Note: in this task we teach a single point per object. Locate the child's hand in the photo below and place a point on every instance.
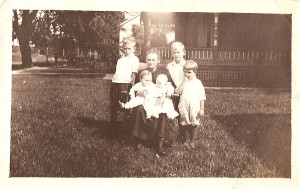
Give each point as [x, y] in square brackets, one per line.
[160, 101]
[202, 113]
[185, 79]
[146, 93]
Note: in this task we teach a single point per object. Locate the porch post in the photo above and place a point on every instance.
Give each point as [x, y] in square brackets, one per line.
[215, 37]
[147, 28]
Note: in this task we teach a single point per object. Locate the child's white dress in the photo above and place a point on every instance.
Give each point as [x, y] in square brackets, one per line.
[189, 105]
[167, 106]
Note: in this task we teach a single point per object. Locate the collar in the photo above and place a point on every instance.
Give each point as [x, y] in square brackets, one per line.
[181, 63]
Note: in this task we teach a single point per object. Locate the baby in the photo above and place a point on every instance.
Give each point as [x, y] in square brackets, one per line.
[146, 87]
[163, 102]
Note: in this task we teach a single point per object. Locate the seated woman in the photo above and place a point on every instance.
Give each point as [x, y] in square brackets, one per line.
[154, 129]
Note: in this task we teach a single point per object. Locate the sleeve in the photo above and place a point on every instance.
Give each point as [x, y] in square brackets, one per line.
[201, 91]
[133, 89]
[135, 65]
[170, 89]
[116, 72]
[168, 66]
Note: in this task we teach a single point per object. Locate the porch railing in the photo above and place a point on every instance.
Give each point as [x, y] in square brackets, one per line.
[266, 58]
[228, 56]
[248, 68]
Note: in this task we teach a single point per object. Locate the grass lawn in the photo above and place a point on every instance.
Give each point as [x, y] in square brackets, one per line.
[60, 128]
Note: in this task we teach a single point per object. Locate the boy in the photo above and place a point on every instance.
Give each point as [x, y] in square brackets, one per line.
[124, 77]
[191, 104]
[175, 67]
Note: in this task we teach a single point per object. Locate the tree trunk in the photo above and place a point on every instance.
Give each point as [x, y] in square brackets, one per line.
[23, 34]
[25, 52]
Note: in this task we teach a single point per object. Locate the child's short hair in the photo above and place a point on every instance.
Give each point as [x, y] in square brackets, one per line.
[177, 44]
[191, 65]
[129, 40]
[162, 77]
[153, 51]
[145, 73]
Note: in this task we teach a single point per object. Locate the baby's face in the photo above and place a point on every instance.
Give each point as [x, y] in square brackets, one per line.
[146, 80]
[160, 83]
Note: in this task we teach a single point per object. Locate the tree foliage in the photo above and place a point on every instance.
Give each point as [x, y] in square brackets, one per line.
[87, 30]
[138, 34]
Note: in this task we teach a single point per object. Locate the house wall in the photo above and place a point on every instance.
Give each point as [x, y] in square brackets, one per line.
[252, 50]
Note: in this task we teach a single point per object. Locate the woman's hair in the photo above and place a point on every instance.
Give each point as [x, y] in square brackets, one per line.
[162, 77]
[145, 73]
[153, 51]
[177, 44]
[191, 65]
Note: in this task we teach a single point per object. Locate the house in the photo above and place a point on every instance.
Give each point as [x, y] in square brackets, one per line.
[231, 49]
[126, 26]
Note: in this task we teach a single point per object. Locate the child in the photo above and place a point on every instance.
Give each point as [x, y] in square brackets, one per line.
[124, 77]
[163, 93]
[191, 104]
[146, 87]
[175, 67]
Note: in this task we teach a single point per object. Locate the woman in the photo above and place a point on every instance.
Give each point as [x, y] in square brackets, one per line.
[155, 129]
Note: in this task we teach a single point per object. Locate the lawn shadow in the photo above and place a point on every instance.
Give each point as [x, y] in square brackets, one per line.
[74, 75]
[104, 129]
[36, 64]
[268, 136]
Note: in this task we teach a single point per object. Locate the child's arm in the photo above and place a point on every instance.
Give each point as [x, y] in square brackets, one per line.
[202, 108]
[132, 91]
[133, 77]
[170, 90]
[179, 89]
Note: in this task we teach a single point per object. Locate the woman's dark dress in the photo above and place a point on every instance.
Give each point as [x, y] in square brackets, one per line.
[163, 127]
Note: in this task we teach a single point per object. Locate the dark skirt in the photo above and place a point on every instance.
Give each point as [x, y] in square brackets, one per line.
[146, 129]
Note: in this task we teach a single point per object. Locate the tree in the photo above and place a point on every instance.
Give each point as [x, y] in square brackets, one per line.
[105, 24]
[95, 30]
[138, 34]
[22, 29]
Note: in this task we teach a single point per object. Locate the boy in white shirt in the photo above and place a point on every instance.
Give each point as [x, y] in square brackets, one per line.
[124, 77]
[175, 67]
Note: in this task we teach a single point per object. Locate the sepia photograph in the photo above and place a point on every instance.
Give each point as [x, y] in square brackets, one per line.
[150, 94]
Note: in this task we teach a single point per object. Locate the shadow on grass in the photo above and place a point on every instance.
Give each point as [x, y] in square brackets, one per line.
[268, 136]
[104, 129]
[37, 64]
